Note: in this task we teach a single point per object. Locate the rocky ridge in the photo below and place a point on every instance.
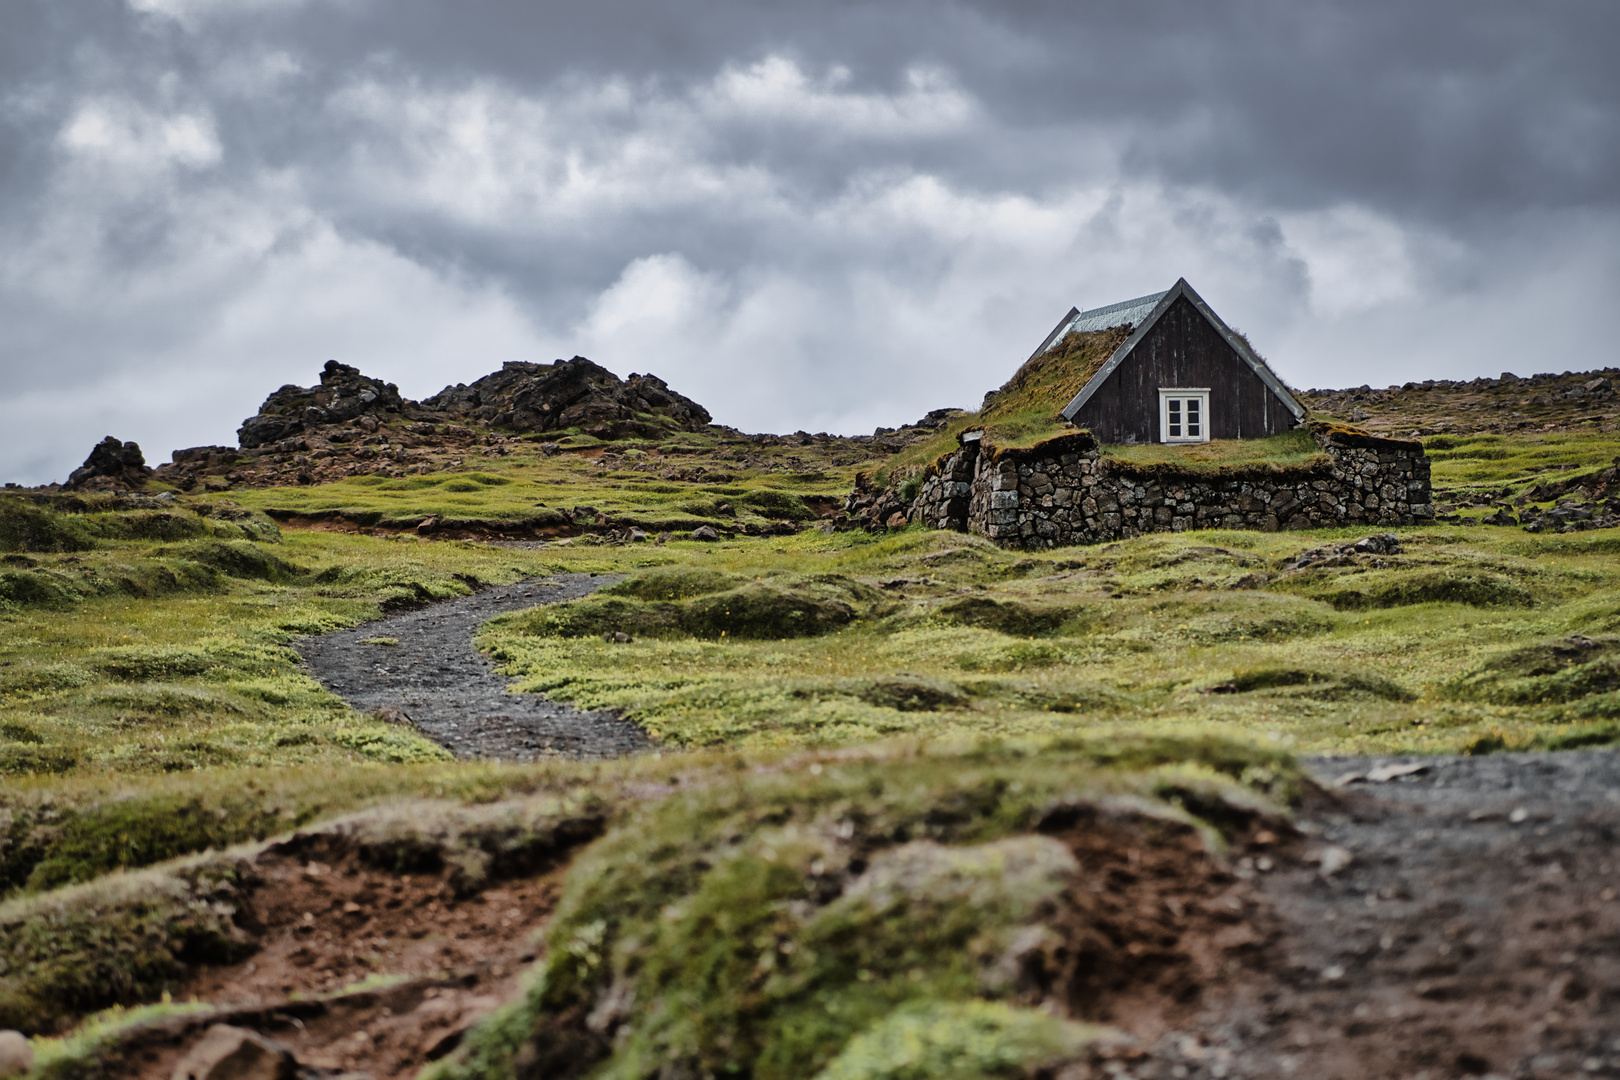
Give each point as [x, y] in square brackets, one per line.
[351, 424]
[1572, 401]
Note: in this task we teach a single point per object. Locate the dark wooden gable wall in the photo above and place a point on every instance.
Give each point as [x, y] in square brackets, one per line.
[1183, 350]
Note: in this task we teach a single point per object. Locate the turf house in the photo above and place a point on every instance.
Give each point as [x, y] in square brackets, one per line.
[1160, 394]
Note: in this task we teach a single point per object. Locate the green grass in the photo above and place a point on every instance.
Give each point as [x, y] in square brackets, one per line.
[1486, 464]
[1153, 634]
[1297, 447]
[135, 656]
[674, 485]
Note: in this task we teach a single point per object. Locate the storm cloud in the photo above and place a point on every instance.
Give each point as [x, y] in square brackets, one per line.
[824, 216]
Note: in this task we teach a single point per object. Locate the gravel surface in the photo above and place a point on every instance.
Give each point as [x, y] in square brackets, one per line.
[1458, 920]
[441, 684]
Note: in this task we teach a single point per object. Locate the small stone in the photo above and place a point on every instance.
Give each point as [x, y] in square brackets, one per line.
[232, 1053]
[637, 536]
[1385, 773]
[1518, 815]
[16, 1053]
[1334, 859]
[705, 532]
[550, 448]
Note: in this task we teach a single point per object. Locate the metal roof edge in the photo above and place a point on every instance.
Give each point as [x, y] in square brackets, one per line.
[1056, 330]
[1119, 354]
[1241, 347]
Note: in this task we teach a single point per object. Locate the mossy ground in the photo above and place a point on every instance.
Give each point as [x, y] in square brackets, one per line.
[949, 636]
[150, 707]
[677, 483]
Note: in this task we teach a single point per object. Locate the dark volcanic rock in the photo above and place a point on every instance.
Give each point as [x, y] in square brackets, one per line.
[343, 395]
[571, 393]
[111, 465]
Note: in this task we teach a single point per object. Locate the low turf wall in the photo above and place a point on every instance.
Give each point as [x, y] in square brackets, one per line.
[1066, 491]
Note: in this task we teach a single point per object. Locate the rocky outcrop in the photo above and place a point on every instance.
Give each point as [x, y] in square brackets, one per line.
[111, 466]
[343, 396]
[571, 393]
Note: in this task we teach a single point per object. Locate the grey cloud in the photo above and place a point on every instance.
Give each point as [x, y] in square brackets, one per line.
[817, 215]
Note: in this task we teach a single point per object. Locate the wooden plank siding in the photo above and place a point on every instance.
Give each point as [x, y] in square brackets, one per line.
[1183, 350]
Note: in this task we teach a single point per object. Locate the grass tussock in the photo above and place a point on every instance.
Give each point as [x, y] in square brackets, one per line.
[791, 608]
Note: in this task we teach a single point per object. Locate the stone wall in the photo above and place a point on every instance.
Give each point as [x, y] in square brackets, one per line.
[1064, 491]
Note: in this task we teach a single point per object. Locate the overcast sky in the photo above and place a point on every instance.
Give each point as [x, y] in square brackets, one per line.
[825, 216]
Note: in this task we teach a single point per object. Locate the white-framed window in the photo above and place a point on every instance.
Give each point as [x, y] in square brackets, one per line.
[1184, 414]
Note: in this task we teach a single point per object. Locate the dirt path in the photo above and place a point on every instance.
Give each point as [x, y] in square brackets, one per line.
[1473, 931]
[452, 693]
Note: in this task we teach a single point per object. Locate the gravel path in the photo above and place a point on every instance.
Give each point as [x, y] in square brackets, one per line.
[452, 693]
[1473, 929]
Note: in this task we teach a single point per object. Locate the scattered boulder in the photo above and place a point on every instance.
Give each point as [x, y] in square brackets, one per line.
[232, 1053]
[111, 466]
[1344, 554]
[571, 393]
[705, 532]
[344, 396]
[16, 1053]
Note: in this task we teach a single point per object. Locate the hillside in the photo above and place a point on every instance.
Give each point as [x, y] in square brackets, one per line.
[907, 793]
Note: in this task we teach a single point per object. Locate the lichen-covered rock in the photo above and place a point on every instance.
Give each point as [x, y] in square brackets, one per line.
[572, 393]
[343, 396]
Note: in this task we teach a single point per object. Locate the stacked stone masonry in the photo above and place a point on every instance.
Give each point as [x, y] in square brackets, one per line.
[1065, 491]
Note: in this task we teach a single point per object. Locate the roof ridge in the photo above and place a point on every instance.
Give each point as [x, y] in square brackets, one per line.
[1239, 345]
[1148, 298]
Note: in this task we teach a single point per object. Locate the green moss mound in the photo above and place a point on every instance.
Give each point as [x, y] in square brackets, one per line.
[44, 678]
[1314, 683]
[958, 1041]
[1388, 589]
[1006, 616]
[25, 526]
[675, 583]
[1564, 670]
[140, 832]
[794, 921]
[26, 760]
[108, 942]
[777, 504]
[147, 663]
[238, 559]
[759, 610]
[391, 587]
